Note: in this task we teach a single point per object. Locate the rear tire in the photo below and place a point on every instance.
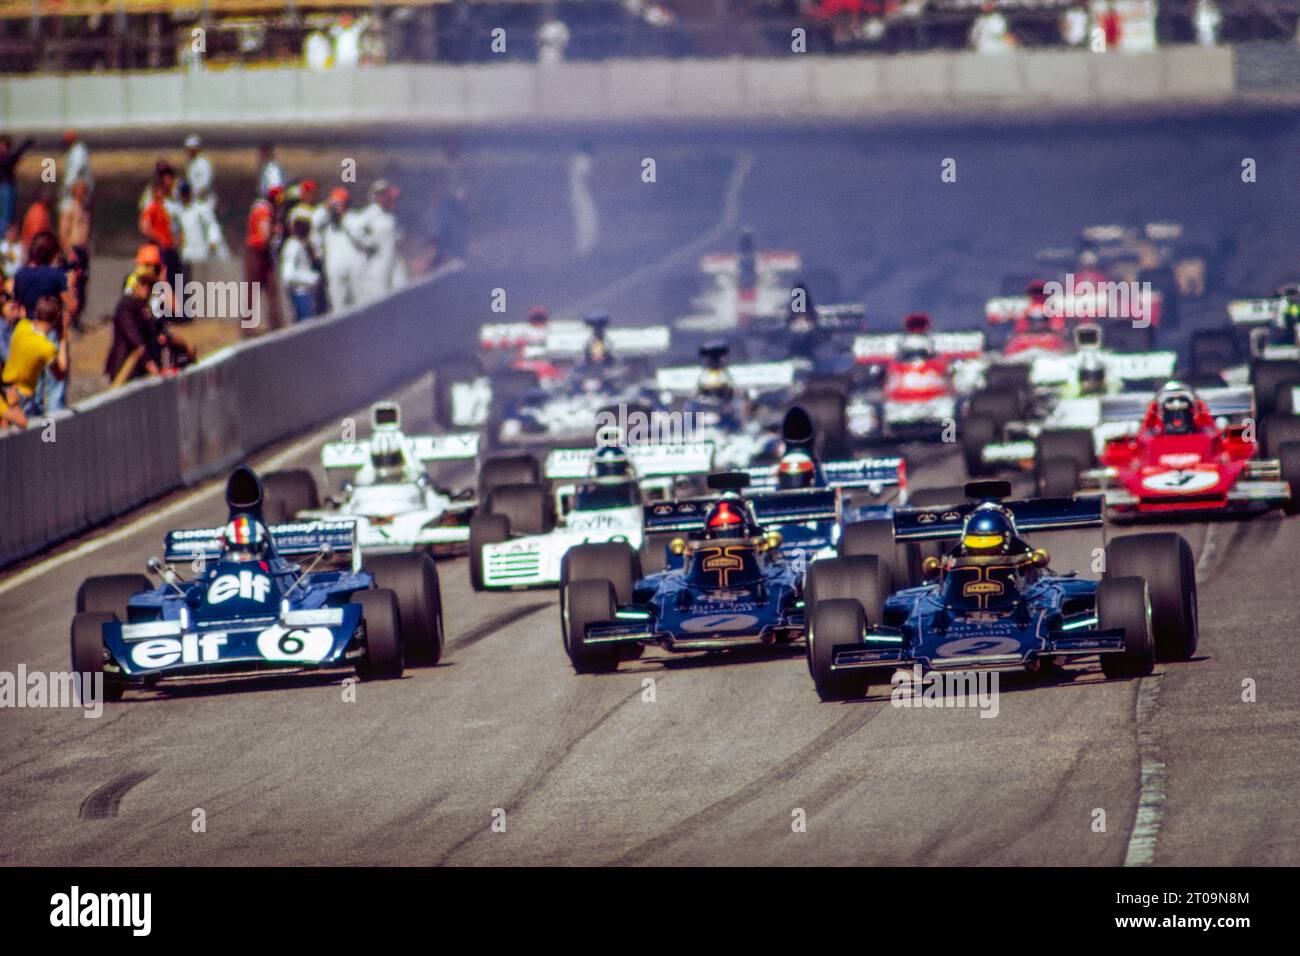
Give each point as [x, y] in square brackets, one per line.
[285, 493]
[1002, 407]
[1123, 602]
[1165, 562]
[1266, 375]
[1076, 444]
[507, 470]
[826, 407]
[1289, 459]
[484, 529]
[831, 623]
[1058, 478]
[977, 433]
[414, 579]
[88, 649]
[1279, 430]
[384, 658]
[528, 508]
[110, 592]
[583, 603]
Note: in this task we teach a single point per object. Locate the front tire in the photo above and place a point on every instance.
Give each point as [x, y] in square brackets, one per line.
[414, 579]
[484, 529]
[109, 593]
[1165, 562]
[832, 623]
[1124, 602]
[88, 649]
[286, 493]
[385, 659]
[583, 603]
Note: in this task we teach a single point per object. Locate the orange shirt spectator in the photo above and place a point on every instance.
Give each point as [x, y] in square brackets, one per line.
[260, 219]
[156, 222]
[37, 219]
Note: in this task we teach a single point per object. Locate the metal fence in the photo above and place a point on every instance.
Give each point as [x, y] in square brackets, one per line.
[119, 450]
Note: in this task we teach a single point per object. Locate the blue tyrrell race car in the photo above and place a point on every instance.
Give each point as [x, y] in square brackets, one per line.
[990, 601]
[249, 608]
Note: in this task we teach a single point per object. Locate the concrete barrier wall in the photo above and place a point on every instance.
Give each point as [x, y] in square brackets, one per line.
[128, 446]
[798, 85]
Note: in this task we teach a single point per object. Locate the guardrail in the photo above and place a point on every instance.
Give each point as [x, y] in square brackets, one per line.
[129, 446]
[797, 85]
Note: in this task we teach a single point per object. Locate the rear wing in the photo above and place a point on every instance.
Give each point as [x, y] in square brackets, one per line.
[1005, 308]
[1050, 370]
[1031, 514]
[355, 454]
[1232, 402]
[1256, 311]
[749, 376]
[648, 461]
[565, 340]
[771, 509]
[872, 473]
[514, 335]
[953, 346]
[780, 260]
[295, 539]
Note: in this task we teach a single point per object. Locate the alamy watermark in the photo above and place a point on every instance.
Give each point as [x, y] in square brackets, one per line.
[636, 426]
[38, 689]
[1099, 300]
[917, 690]
[210, 300]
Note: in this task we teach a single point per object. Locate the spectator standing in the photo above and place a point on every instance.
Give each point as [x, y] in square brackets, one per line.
[74, 237]
[76, 164]
[271, 175]
[297, 266]
[586, 219]
[200, 234]
[41, 277]
[377, 225]
[33, 349]
[134, 351]
[259, 260]
[343, 258]
[348, 33]
[1074, 26]
[1208, 20]
[989, 32]
[38, 218]
[317, 52]
[552, 39]
[13, 252]
[9, 158]
[158, 223]
[10, 313]
[198, 173]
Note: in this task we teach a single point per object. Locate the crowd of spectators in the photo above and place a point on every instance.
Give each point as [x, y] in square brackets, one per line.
[321, 37]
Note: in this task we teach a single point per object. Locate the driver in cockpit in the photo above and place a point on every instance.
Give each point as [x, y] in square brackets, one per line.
[245, 539]
[386, 458]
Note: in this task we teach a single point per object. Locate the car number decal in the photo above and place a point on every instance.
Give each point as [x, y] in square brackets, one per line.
[1182, 481]
[279, 643]
[977, 646]
[712, 623]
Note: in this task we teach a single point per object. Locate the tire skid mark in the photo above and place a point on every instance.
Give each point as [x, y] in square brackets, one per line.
[787, 770]
[561, 747]
[496, 623]
[107, 800]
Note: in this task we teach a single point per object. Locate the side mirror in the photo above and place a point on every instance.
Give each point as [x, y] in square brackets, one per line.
[154, 565]
[931, 567]
[677, 546]
[1040, 558]
[327, 551]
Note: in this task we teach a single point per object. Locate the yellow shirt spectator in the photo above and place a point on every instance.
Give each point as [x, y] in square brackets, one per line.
[29, 353]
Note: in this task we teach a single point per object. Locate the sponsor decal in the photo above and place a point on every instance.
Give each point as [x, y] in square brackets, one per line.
[928, 517]
[188, 649]
[245, 584]
[723, 561]
[976, 588]
[281, 643]
[1182, 482]
[717, 623]
[977, 647]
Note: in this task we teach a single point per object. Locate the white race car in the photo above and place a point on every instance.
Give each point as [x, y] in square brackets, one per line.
[394, 503]
[722, 305]
[522, 532]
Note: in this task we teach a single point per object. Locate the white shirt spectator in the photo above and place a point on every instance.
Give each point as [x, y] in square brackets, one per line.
[316, 50]
[76, 165]
[199, 175]
[347, 42]
[377, 236]
[272, 175]
[1074, 26]
[988, 34]
[1208, 19]
[13, 256]
[552, 41]
[200, 233]
[296, 272]
[343, 258]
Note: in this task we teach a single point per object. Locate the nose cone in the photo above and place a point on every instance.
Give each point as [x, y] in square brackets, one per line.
[244, 492]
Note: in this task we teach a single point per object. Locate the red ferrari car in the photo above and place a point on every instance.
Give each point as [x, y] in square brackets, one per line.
[1190, 453]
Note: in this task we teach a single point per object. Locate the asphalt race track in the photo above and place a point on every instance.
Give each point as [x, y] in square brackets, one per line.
[715, 768]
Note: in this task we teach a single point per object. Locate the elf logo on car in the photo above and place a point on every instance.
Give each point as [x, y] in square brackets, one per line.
[245, 584]
[189, 649]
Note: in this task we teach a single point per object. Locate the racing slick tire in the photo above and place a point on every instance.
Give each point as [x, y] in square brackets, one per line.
[615, 561]
[1288, 456]
[1278, 430]
[1058, 478]
[1011, 379]
[1213, 350]
[110, 592]
[1002, 407]
[285, 493]
[1164, 560]
[1075, 444]
[484, 529]
[653, 552]
[507, 470]
[875, 538]
[414, 579]
[838, 621]
[385, 651]
[826, 407]
[88, 648]
[864, 579]
[977, 433]
[583, 603]
[1124, 602]
[528, 507]
[1266, 375]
